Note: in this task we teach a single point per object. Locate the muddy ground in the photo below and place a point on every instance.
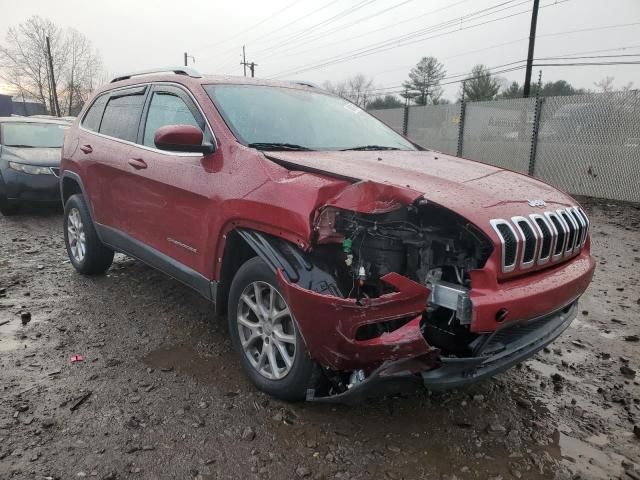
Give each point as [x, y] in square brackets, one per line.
[160, 394]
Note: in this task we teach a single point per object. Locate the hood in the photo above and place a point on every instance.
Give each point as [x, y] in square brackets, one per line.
[477, 191]
[44, 157]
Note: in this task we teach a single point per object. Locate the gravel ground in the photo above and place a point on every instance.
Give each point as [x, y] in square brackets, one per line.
[160, 394]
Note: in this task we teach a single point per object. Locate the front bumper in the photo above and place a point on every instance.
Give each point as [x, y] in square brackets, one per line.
[22, 186]
[495, 353]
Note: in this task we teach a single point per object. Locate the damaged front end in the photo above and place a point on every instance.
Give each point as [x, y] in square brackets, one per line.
[384, 300]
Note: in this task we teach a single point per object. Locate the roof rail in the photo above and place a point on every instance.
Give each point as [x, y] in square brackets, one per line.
[191, 72]
[304, 83]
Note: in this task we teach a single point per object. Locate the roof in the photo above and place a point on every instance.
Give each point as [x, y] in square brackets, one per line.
[55, 121]
[188, 75]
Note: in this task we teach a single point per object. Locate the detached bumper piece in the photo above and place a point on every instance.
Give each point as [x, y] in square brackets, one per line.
[494, 353]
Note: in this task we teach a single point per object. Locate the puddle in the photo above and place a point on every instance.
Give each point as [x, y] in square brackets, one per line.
[586, 459]
[220, 371]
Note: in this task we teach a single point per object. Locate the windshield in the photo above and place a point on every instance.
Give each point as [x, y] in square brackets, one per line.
[287, 118]
[44, 135]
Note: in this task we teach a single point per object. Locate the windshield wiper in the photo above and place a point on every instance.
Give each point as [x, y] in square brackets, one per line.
[20, 146]
[279, 146]
[370, 147]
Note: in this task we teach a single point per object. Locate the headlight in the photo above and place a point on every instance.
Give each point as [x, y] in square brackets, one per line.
[30, 169]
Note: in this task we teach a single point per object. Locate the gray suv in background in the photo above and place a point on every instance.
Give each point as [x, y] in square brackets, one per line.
[29, 161]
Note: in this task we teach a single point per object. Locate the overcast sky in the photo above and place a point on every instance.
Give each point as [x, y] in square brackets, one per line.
[285, 37]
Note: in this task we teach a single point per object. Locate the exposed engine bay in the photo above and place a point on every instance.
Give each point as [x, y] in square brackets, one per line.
[423, 242]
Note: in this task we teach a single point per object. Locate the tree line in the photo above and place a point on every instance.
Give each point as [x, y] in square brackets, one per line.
[424, 87]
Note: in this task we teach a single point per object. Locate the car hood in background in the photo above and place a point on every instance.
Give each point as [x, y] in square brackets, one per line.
[45, 157]
[475, 190]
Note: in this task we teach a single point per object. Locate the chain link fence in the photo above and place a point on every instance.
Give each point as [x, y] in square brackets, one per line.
[394, 117]
[583, 144]
[436, 125]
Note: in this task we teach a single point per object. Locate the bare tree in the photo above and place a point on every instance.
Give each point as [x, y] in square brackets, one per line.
[628, 87]
[338, 88]
[359, 89]
[81, 70]
[24, 64]
[606, 84]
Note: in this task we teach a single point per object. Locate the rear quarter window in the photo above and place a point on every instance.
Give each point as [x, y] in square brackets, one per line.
[122, 116]
[93, 116]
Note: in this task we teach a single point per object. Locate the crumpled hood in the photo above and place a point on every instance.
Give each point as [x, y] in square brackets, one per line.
[477, 191]
[44, 157]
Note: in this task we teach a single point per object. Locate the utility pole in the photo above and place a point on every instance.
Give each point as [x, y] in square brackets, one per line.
[532, 43]
[54, 93]
[252, 65]
[244, 60]
[187, 57]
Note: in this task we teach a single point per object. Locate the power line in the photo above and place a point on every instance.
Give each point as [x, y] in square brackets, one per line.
[591, 29]
[446, 24]
[225, 61]
[304, 31]
[399, 40]
[261, 22]
[340, 27]
[396, 43]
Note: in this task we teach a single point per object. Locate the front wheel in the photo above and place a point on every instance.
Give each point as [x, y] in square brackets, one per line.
[265, 334]
[86, 252]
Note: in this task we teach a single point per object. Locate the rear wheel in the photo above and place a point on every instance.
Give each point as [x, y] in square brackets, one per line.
[86, 252]
[265, 334]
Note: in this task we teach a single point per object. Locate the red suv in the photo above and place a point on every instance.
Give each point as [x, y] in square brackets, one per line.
[349, 260]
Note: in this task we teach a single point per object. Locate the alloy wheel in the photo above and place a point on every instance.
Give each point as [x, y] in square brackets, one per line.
[76, 235]
[267, 331]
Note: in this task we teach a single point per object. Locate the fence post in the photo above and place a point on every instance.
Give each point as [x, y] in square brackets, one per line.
[463, 110]
[405, 120]
[534, 135]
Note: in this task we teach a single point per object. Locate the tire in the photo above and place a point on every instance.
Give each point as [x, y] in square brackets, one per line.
[7, 207]
[95, 257]
[291, 382]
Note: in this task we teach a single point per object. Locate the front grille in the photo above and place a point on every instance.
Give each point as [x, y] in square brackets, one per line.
[541, 238]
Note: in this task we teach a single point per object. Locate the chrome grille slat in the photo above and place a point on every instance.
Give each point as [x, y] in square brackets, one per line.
[541, 238]
[529, 241]
[506, 235]
[546, 235]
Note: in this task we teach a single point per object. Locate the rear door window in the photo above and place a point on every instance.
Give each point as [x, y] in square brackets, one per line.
[121, 116]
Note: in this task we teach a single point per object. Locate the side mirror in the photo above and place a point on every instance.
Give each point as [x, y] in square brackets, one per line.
[181, 138]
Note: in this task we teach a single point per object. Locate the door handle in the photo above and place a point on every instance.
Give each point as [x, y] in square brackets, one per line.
[86, 148]
[137, 163]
